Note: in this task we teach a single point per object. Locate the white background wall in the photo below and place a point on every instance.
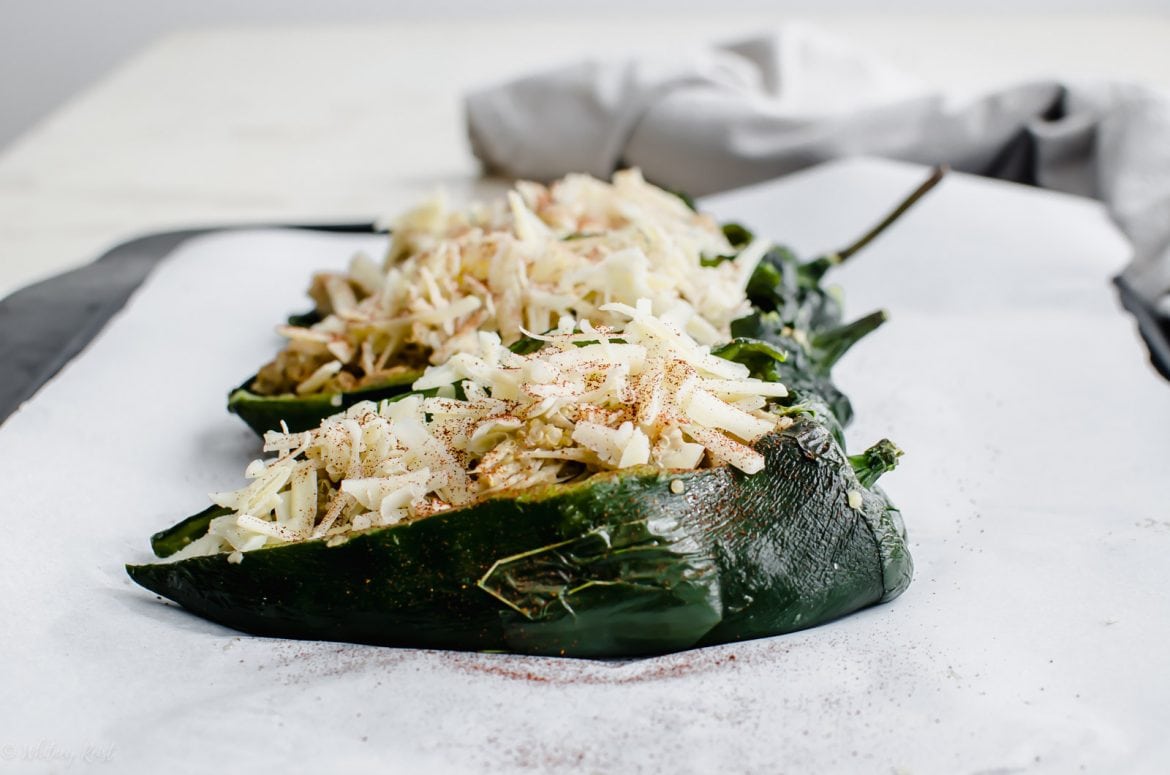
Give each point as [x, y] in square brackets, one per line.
[51, 49]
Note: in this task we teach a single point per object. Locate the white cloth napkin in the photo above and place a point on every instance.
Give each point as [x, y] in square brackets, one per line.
[724, 117]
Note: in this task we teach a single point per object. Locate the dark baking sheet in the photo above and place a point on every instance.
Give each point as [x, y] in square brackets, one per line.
[46, 324]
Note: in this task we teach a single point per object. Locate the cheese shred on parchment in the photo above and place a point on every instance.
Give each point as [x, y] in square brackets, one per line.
[593, 398]
[523, 263]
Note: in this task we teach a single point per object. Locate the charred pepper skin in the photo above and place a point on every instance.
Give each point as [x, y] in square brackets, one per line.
[619, 565]
[302, 413]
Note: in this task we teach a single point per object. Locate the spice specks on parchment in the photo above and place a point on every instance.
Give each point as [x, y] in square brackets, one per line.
[304, 662]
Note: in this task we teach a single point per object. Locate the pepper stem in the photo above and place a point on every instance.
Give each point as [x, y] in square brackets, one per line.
[875, 461]
[818, 266]
[835, 342]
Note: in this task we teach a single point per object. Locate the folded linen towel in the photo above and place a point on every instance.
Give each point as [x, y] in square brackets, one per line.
[728, 116]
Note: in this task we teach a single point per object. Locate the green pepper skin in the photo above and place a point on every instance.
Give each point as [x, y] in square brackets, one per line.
[166, 542]
[305, 319]
[782, 284]
[801, 360]
[618, 565]
[302, 413]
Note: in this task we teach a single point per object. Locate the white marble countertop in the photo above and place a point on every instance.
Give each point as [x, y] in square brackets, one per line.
[324, 124]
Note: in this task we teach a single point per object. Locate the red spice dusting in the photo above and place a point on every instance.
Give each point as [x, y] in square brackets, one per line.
[298, 663]
[561, 671]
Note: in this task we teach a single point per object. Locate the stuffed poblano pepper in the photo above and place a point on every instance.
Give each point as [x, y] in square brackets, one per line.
[621, 490]
[519, 266]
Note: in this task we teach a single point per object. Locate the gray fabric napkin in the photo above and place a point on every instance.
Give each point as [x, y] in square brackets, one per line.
[728, 116]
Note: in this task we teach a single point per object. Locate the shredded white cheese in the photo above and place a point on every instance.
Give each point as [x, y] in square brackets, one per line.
[592, 399]
[541, 254]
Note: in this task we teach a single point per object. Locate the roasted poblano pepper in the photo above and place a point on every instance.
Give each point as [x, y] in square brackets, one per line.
[790, 290]
[622, 564]
[634, 562]
[629, 563]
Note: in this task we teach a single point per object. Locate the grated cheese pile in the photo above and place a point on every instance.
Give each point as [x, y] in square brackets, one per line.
[592, 399]
[541, 254]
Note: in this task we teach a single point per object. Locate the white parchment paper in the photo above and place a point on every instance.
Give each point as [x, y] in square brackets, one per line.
[1034, 486]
